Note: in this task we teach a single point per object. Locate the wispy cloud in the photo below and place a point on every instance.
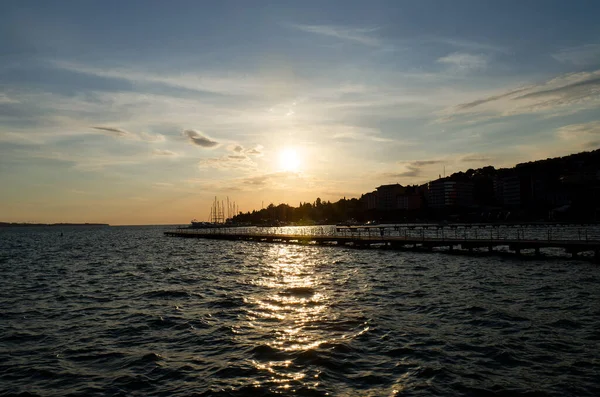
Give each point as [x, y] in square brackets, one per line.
[120, 132]
[584, 135]
[471, 105]
[578, 131]
[206, 82]
[460, 61]
[20, 138]
[270, 179]
[475, 158]
[144, 136]
[163, 152]
[345, 132]
[82, 192]
[200, 140]
[112, 131]
[465, 45]
[281, 181]
[84, 162]
[413, 169]
[319, 102]
[228, 162]
[253, 151]
[583, 87]
[5, 99]
[579, 90]
[583, 55]
[162, 184]
[358, 35]
[359, 136]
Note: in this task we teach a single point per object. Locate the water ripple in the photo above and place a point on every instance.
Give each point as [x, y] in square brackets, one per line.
[125, 311]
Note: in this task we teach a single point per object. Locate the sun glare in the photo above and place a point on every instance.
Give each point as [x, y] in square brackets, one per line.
[289, 160]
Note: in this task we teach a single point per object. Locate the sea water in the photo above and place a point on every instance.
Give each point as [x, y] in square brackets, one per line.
[119, 311]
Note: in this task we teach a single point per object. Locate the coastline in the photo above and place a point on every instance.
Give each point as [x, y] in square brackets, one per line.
[16, 224]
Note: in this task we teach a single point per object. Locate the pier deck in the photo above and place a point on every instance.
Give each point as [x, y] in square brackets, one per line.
[347, 237]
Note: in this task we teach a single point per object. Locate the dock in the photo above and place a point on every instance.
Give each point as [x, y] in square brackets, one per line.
[466, 239]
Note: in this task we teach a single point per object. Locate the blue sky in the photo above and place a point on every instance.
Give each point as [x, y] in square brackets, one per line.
[143, 111]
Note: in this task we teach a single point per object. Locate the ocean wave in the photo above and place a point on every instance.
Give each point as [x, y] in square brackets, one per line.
[103, 316]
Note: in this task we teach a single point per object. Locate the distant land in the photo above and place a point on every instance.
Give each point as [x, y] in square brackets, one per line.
[23, 224]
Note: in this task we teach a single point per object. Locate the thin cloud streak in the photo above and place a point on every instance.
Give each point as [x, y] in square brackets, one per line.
[228, 162]
[460, 61]
[152, 137]
[413, 169]
[204, 83]
[575, 131]
[272, 179]
[5, 99]
[466, 44]
[470, 105]
[112, 131]
[576, 90]
[355, 136]
[475, 158]
[254, 151]
[580, 88]
[163, 152]
[358, 35]
[200, 140]
[120, 132]
[583, 55]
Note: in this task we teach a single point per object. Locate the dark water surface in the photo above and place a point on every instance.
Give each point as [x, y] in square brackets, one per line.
[126, 311]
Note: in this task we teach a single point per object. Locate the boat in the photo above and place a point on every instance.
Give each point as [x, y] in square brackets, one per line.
[217, 217]
[194, 224]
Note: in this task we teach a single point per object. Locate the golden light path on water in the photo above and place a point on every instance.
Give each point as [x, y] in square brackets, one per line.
[292, 305]
[289, 309]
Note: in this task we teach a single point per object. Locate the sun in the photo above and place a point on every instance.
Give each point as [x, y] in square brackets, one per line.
[289, 160]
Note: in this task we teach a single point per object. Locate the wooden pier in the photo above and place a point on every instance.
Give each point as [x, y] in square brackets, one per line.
[407, 238]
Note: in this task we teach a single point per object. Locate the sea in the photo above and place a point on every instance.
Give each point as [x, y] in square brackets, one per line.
[127, 311]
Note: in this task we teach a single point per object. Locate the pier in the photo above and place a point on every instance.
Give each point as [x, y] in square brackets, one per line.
[464, 238]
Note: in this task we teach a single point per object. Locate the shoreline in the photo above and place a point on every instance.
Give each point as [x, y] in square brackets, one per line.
[15, 224]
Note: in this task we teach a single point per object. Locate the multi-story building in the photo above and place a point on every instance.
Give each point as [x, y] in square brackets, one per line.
[370, 200]
[523, 191]
[387, 196]
[411, 201]
[447, 193]
[464, 194]
[511, 191]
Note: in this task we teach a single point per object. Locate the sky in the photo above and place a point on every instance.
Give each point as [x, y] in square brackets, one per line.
[141, 112]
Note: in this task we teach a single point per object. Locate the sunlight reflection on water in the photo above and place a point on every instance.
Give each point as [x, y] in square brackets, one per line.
[288, 308]
[126, 311]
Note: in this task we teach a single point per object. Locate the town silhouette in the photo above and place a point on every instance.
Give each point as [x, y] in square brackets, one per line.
[562, 189]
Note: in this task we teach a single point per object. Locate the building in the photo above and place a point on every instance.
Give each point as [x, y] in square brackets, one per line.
[523, 191]
[387, 196]
[369, 200]
[444, 193]
[410, 201]
[464, 194]
[511, 191]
